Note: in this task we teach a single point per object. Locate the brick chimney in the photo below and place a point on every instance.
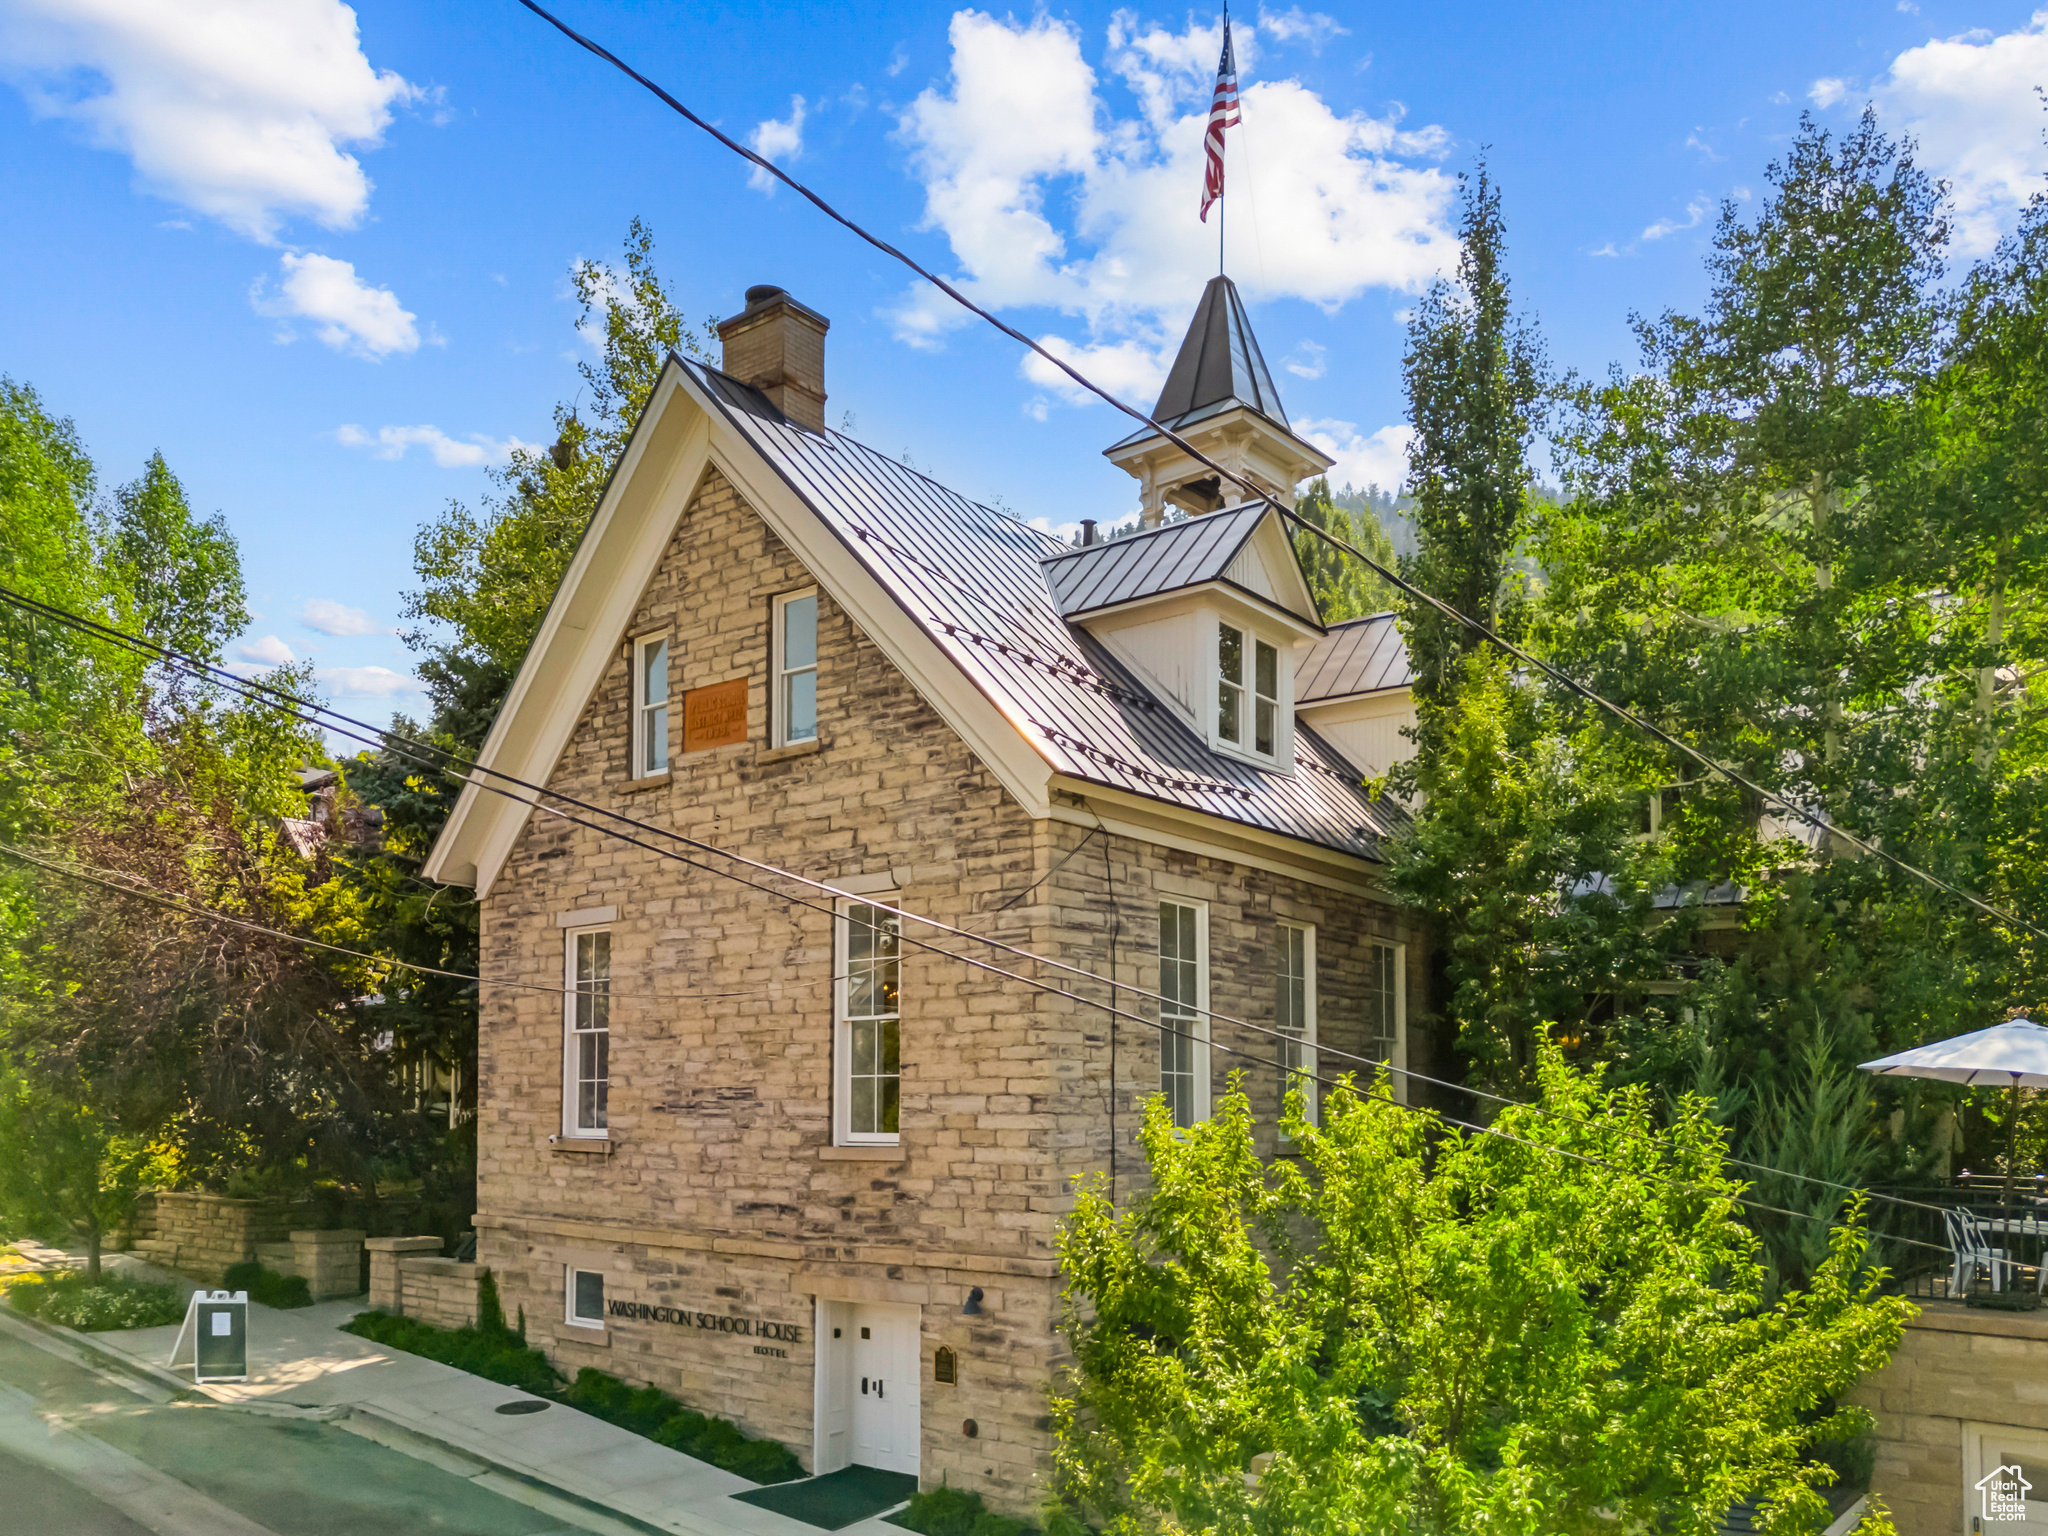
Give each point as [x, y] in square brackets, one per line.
[778, 346]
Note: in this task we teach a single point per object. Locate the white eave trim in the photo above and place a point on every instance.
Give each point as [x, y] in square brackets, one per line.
[594, 605]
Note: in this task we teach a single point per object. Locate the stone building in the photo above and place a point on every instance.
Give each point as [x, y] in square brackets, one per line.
[771, 1142]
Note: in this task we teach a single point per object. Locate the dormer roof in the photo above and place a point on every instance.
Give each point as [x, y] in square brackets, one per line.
[1221, 548]
[1358, 656]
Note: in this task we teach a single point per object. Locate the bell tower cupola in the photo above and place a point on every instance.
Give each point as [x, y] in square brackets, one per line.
[1219, 397]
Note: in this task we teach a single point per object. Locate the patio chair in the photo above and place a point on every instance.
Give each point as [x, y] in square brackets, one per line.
[1972, 1252]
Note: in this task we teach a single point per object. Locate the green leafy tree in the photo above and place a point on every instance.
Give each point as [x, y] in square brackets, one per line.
[489, 577]
[183, 576]
[1343, 588]
[64, 1168]
[1400, 1332]
[1475, 377]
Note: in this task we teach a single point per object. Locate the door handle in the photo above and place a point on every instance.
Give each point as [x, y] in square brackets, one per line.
[863, 1386]
[878, 1386]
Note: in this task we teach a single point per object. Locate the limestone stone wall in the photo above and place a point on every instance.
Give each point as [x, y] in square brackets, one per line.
[438, 1291]
[719, 1189]
[1956, 1367]
[387, 1287]
[201, 1235]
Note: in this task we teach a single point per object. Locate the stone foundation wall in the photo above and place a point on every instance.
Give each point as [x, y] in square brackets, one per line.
[1956, 1368]
[438, 1291]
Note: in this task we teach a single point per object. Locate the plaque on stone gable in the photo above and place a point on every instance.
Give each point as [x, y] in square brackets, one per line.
[715, 716]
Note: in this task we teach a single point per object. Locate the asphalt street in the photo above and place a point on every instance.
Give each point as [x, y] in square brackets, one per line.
[87, 1456]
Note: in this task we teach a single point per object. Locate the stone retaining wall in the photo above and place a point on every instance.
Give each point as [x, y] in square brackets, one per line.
[1956, 1375]
[408, 1277]
[201, 1235]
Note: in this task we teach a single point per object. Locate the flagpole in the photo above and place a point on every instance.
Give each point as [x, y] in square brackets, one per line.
[1220, 210]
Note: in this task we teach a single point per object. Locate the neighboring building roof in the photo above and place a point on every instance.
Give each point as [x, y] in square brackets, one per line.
[1357, 656]
[1219, 363]
[1169, 558]
[974, 580]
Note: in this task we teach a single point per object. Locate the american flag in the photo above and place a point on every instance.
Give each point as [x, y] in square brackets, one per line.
[1222, 115]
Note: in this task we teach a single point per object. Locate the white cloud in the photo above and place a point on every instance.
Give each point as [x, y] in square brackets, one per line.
[1380, 459]
[448, 452]
[1695, 211]
[324, 616]
[778, 139]
[1826, 92]
[266, 652]
[1780, 99]
[1296, 25]
[1049, 199]
[236, 109]
[1308, 361]
[348, 314]
[1606, 250]
[1970, 104]
[366, 682]
[1132, 370]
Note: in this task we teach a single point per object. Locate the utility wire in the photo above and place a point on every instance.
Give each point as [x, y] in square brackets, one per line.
[1257, 493]
[1164, 1028]
[126, 887]
[311, 714]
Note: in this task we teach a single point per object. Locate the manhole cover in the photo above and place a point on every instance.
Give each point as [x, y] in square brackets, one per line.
[529, 1406]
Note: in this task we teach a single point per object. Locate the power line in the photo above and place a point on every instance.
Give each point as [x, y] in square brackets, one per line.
[310, 713]
[160, 899]
[126, 887]
[1259, 494]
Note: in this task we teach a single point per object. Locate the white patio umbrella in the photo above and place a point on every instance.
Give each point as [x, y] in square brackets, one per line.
[2012, 1055]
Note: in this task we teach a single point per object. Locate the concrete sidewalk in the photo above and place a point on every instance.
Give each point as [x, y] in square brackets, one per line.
[301, 1361]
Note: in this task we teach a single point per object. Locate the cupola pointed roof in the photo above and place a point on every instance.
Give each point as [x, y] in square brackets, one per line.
[1220, 364]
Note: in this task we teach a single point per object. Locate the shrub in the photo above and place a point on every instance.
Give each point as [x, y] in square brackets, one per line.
[495, 1357]
[115, 1302]
[267, 1285]
[499, 1354]
[948, 1511]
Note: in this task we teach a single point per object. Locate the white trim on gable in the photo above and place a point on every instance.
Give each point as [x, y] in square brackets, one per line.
[679, 437]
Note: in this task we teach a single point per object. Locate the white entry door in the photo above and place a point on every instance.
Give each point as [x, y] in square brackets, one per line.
[2005, 1479]
[884, 1363]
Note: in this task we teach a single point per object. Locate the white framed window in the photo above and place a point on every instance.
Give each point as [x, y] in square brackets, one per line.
[1184, 1009]
[2005, 1478]
[583, 1296]
[1294, 1012]
[868, 1028]
[1247, 691]
[795, 663]
[650, 705]
[586, 1030]
[1387, 1012]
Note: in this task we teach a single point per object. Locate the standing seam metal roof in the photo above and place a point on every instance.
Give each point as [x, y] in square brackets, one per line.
[974, 580]
[1357, 656]
[1163, 559]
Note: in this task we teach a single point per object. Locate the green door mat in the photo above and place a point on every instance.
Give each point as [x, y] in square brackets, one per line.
[837, 1499]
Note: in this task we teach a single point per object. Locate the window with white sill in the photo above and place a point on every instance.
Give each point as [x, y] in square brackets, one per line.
[650, 706]
[586, 1045]
[795, 665]
[867, 1045]
[1248, 702]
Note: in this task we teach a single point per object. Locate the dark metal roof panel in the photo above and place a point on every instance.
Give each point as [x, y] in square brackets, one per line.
[1219, 361]
[977, 583]
[1357, 656]
[1163, 559]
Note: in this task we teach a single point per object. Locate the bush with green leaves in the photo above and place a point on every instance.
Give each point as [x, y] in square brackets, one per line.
[949, 1511]
[499, 1353]
[1566, 1327]
[499, 1357]
[267, 1285]
[74, 1301]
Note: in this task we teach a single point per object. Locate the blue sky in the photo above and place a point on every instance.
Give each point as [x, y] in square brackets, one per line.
[319, 256]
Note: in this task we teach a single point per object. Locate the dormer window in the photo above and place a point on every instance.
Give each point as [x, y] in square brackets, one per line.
[1247, 691]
